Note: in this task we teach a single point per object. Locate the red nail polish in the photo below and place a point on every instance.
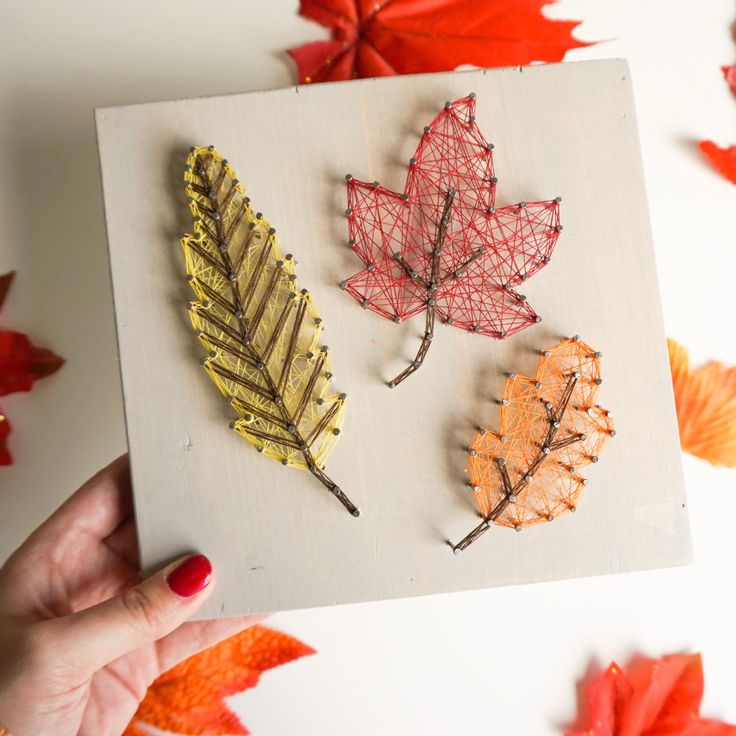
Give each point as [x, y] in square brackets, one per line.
[191, 576]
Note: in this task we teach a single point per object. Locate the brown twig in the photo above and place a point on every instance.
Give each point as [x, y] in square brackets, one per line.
[431, 285]
[246, 330]
[547, 447]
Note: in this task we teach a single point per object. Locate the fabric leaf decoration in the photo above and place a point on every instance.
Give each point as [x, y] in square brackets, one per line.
[550, 428]
[706, 407]
[653, 697]
[729, 74]
[376, 39]
[21, 363]
[189, 698]
[260, 331]
[723, 160]
[441, 246]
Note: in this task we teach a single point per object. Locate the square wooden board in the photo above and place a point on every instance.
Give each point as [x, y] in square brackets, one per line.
[277, 538]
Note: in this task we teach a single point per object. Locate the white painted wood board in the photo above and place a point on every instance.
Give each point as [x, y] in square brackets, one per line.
[277, 538]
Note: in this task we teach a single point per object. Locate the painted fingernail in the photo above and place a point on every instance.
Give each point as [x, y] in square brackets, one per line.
[190, 576]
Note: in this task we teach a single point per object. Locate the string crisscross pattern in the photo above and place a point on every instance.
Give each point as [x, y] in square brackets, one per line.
[260, 331]
[442, 246]
[550, 428]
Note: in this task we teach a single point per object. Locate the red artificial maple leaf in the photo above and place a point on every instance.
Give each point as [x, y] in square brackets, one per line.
[723, 160]
[5, 457]
[654, 697]
[188, 698]
[442, 246]
[21, 363]
[729, 73]
[378, 39]
[372, 39]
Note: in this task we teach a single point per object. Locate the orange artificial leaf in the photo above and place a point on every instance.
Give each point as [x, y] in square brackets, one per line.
[21, 363]
[723, 160]
[188, 699]
[706, 407]
[376, 39]
[550, 427]
[653, 697]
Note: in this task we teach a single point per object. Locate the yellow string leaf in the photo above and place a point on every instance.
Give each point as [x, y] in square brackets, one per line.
[260, 331]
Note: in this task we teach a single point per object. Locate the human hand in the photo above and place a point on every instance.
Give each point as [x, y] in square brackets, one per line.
[80, 637]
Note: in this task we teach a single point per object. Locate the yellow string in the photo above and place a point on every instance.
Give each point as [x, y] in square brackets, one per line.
[266, 281]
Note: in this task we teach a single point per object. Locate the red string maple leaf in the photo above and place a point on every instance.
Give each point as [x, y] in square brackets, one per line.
[21, 363]
[659, 697]
[377, 39]
[188, 698]
[442, 246]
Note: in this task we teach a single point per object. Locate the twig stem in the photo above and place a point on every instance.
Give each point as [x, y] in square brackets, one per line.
[297, 439]
[547, 447]
[431, 285]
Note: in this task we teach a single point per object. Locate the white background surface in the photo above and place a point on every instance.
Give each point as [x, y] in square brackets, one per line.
[497, 662]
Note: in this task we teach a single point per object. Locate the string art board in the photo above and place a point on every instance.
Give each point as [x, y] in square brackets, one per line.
[277, 538]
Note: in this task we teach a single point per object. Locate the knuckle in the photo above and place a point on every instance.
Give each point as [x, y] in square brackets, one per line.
[142, 609]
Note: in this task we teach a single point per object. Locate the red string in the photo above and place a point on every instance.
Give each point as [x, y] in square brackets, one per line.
[486, 251]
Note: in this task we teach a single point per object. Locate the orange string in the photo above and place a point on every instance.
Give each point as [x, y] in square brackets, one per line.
[556, 483]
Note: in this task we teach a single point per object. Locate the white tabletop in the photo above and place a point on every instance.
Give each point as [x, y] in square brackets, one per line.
[504, 661]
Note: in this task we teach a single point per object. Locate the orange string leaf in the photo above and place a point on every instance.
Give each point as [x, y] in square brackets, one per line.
[550, 427]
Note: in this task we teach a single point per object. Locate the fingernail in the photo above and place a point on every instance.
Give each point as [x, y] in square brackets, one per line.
[190, 576]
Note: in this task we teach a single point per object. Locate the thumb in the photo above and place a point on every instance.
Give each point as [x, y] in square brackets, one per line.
[138, 616]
